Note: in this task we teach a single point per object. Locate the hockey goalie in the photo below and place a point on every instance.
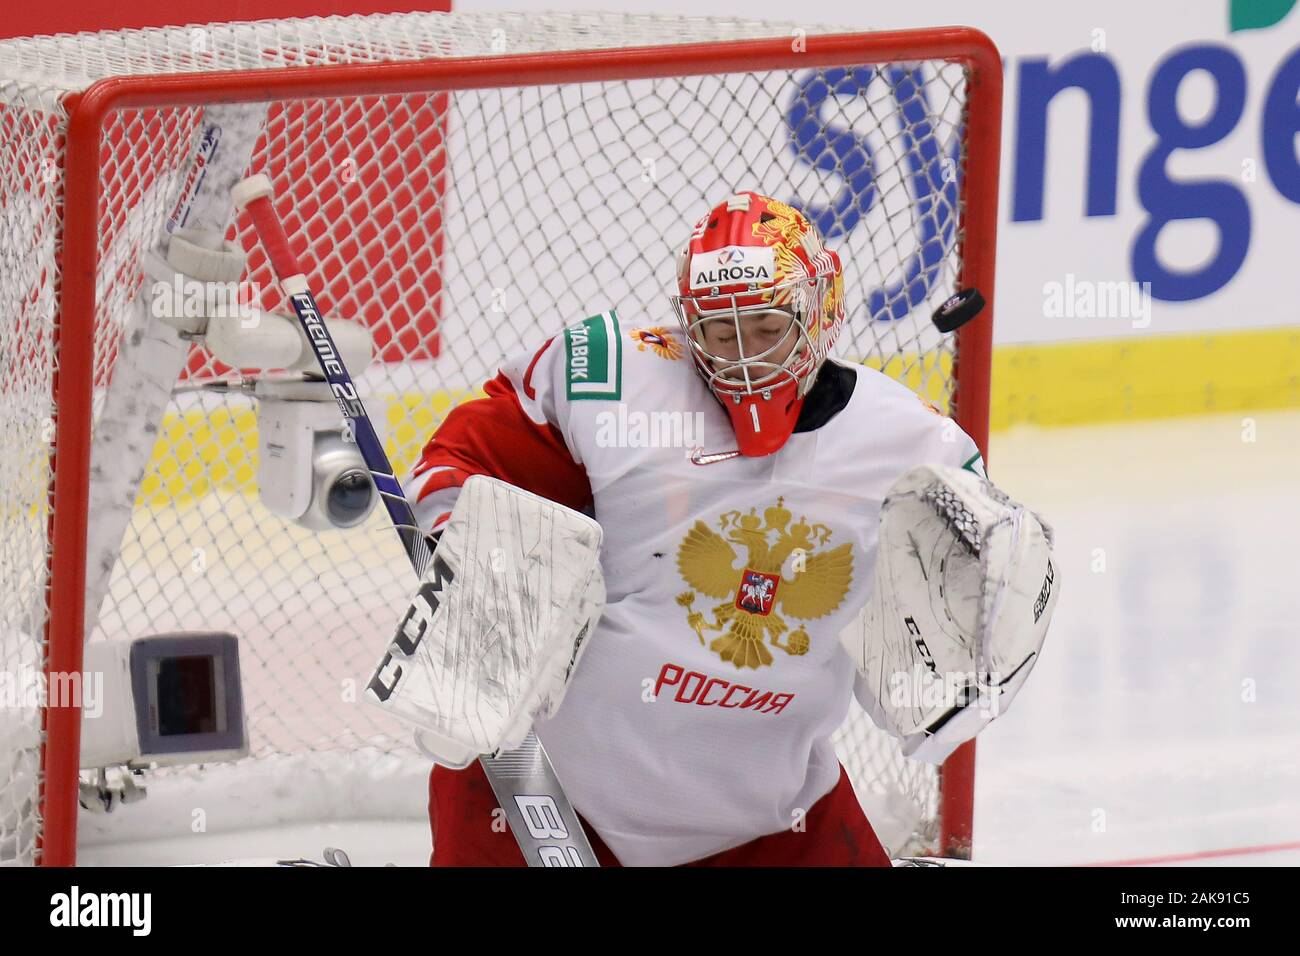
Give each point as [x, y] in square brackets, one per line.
[778, 531]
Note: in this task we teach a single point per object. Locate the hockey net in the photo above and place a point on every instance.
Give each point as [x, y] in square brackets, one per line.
[460, 217]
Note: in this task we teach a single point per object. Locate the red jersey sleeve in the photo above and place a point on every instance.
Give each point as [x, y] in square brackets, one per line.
[512, 434]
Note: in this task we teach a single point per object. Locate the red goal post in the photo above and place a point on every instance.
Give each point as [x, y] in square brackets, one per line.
[90, 114]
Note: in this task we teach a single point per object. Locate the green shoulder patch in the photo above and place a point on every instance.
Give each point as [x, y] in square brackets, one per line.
[593, 358]
[975, 465]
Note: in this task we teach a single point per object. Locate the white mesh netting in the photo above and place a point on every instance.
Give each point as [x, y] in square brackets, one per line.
[457, 226]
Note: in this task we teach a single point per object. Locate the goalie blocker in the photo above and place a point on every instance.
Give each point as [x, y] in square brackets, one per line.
[500, 621]
[964, 590]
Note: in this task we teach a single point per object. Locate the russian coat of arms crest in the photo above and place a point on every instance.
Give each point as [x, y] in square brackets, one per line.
[787, 575]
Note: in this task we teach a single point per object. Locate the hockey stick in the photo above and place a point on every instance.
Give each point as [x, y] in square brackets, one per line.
[151, 354]
[540, 815]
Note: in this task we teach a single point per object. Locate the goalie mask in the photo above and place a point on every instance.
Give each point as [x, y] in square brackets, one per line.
[761, 300]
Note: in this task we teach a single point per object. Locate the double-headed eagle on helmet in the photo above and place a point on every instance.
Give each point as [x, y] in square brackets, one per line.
[761, 299]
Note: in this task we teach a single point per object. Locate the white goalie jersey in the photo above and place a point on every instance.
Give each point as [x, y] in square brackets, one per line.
[701, 714]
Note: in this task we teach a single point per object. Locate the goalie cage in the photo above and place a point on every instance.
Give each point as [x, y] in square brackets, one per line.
[462, 184]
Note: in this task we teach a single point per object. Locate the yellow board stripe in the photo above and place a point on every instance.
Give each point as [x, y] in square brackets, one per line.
[1066, 383]
[200, 451]
[1156, 376]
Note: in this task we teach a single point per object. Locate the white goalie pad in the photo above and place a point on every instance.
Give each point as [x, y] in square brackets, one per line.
[498, 625]
[964, 590]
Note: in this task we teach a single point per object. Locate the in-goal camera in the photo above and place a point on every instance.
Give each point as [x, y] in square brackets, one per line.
[309, 470]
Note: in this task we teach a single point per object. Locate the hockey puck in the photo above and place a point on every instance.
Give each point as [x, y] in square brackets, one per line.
[958, 310]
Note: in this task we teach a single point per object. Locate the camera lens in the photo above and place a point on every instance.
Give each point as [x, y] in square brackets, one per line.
[349, 497]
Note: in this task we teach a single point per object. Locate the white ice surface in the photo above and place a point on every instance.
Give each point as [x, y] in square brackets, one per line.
[1164, 717]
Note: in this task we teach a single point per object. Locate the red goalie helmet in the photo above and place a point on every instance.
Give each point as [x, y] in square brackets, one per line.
[761, 300]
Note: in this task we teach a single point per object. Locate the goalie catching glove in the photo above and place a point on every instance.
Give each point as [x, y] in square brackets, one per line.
[495, 632]
[964, 589]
